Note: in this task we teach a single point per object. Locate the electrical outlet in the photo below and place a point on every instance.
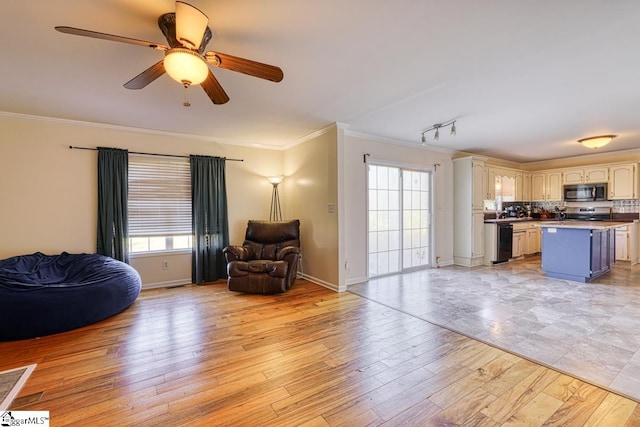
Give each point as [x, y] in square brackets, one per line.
[165, 265]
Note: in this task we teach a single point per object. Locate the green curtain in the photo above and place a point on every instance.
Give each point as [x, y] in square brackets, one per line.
[113, 166]
[209, 218]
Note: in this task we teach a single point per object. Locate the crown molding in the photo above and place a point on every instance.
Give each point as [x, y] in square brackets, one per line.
[404, 143]
[80, 123]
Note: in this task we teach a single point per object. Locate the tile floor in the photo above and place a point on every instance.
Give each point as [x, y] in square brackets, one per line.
[588, 330]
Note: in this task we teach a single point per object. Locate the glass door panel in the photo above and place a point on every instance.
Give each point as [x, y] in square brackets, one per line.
[399, 219]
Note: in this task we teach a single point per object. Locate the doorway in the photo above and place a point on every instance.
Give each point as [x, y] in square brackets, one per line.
[399, 219]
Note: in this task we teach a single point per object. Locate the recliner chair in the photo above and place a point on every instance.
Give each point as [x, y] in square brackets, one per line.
[267, 261]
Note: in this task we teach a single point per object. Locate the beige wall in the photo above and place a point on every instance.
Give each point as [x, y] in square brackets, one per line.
[355, 175]
[311, 186]
[48, 192]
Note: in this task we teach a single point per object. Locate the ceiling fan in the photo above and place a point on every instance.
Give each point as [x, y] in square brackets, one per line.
[185, 59]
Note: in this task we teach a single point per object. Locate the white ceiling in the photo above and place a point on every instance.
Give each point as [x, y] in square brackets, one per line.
[524, 79]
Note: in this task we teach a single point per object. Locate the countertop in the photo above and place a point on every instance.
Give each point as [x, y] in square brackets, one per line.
[526, 219]
[512, 219]
[586, 225]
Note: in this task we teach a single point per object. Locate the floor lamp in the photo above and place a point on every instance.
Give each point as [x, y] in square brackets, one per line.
[276, 213]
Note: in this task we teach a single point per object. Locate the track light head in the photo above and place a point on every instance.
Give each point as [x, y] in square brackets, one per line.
[453, 128]
[437, 135]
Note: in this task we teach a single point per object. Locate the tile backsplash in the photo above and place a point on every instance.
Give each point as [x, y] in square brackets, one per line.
[626, 206]
[617, 206]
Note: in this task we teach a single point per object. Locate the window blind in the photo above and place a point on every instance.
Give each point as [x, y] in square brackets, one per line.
[159, 196]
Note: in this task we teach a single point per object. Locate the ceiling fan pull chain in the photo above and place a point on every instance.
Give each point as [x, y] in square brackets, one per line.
[186, 102]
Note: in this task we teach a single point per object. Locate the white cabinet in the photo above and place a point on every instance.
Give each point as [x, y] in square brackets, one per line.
[526, 238]
[489, 181]
[490, 243]
[477, 250]
[573, 176]
[533, 240]
[596, 174]
[468, 214]
[523, 186]
[519, 243]
[627, 243]
[622, 244]
[538, 186]
[554, 185]
[585, 175]
[546, 186]
[623, 181]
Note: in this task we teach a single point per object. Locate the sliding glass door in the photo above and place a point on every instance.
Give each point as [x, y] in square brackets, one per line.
[399, 219]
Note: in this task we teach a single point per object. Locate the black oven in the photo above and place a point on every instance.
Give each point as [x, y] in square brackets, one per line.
[585, 192]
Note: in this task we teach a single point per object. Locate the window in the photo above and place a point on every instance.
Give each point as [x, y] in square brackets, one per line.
[159, 204]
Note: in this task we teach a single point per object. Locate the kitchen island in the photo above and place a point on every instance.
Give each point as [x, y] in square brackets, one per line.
[578, 250]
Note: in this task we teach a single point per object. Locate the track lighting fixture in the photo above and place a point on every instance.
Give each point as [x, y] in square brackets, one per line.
[437, 127]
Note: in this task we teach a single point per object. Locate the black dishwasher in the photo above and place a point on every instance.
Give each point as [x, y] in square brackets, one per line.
[505, 243]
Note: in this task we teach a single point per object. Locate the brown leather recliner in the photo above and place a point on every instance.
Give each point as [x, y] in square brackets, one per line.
[267, 261]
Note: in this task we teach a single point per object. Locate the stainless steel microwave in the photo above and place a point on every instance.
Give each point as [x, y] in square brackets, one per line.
[585, 192]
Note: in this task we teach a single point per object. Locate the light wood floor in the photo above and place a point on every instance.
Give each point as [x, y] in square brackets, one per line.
[201, 355]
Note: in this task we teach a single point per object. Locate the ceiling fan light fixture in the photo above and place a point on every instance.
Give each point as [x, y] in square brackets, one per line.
[596, 141]
[191, 24]
[184, 65]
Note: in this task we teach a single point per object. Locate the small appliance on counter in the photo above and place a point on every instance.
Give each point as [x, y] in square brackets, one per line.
[544, 214]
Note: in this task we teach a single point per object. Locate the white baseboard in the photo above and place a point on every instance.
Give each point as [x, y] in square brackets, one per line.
[320, 282]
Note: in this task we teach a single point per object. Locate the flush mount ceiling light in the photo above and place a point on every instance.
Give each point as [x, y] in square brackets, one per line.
[596, 141]
[437, 127]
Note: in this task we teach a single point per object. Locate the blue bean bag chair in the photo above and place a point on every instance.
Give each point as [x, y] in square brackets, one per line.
[47, 294]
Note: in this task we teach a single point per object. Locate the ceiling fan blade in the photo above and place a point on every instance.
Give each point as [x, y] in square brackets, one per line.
[191, 25]
[214, 90]
[246, 66]
[147, 76]
[111, 37]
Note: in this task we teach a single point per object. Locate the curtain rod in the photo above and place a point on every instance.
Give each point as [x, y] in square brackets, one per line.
[71, 147]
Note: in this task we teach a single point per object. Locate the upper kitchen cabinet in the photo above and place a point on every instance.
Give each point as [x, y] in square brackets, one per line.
[596, 174]
[523, 186]
[623, 181]
[573, 176]
[586, 175]
[489, 181]
[546, 186]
